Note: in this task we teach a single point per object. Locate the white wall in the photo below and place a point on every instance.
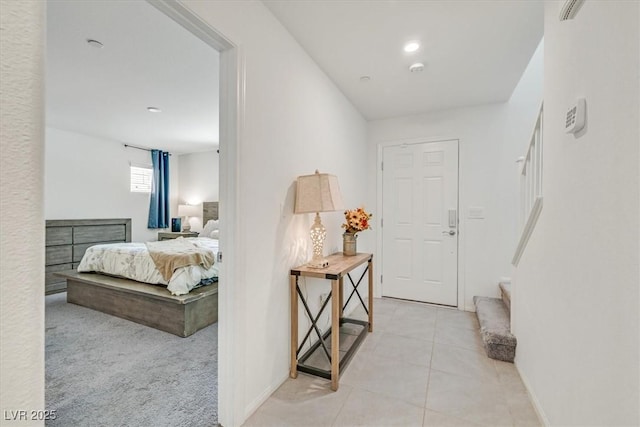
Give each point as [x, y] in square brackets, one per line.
[21, 209]
[491, 137]
[89, 177]
[577, 301]
[296, 121]
[198, 181]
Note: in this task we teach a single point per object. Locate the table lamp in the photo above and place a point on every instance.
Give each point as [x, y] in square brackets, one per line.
[317, 193]
[186, 211]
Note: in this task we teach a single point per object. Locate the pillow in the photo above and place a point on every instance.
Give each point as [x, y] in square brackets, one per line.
[215, 234]
[212, 225]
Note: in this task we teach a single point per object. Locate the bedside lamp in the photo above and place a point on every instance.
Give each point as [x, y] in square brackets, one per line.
[317, 193]
[186, 211]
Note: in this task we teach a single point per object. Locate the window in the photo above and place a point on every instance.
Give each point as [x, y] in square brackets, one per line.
[141, 178]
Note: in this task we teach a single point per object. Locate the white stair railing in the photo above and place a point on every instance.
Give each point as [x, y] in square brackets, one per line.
[530, 188]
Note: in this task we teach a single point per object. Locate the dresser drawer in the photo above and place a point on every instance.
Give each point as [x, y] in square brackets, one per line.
[101, 233]
[58, 236]
[49, 276]
[58, 255]
[79, 250]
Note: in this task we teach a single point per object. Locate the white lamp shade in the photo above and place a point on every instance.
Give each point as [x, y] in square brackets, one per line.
[319, 192]
[188, 210]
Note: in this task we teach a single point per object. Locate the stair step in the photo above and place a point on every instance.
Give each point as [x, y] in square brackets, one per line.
[495, 328]
[505, 291]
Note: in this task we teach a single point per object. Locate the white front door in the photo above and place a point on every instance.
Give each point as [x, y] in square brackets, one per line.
[420, 222]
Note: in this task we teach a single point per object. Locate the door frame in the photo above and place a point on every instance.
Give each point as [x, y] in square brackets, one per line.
[379, 206]
[231, 114]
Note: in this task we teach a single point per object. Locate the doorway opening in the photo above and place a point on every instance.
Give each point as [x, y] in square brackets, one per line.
[229, 79]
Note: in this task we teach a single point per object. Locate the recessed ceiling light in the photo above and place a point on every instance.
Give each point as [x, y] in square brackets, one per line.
[411, 47]
[418, 66]
[95, 43]
[365, 79]
[154, 110]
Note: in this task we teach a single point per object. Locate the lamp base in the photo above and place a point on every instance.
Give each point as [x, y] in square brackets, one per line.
[317, 234]
[323, 263]
[186, 226]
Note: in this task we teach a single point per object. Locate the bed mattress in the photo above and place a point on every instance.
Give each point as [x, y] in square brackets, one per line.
[132, 261]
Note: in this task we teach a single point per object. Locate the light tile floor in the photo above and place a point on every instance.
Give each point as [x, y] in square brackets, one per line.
[422, 366]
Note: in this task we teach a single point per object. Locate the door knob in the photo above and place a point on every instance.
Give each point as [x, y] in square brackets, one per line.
[450, 232]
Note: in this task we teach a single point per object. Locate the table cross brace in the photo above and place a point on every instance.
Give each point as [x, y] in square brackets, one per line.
[355, 290]
[313, 323]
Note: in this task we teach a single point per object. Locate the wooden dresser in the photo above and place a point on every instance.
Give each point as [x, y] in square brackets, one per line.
[67, 240]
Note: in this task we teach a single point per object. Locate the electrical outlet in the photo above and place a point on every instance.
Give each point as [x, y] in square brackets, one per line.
[323, 297]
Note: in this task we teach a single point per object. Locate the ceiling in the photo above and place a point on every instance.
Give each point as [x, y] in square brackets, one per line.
[147, 60]
[474, 52]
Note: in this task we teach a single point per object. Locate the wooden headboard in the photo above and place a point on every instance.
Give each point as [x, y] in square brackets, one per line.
[209, 211]
[67, 239]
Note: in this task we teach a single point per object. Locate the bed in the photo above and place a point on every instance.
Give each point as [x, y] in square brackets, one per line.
[180, 264]
[182, 307]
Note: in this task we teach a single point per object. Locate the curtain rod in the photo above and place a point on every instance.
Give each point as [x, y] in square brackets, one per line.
[138, 148]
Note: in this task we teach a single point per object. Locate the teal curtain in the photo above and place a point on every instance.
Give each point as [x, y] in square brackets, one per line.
[159, 204]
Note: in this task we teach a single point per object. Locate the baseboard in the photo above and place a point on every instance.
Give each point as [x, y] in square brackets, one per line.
[534, 399]
[258, 401]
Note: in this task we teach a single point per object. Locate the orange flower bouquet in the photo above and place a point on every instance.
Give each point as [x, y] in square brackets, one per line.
[356, 220]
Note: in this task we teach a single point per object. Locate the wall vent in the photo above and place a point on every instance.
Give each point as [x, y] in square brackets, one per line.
[570, 9]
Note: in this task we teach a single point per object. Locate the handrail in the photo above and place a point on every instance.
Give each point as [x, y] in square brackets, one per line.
[530, 174]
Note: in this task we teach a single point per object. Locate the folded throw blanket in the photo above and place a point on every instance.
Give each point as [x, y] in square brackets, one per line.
[168, 255]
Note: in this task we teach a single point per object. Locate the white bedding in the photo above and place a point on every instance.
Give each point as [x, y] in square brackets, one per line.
[132, 261]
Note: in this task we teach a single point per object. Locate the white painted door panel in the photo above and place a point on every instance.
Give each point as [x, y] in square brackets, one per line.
[419, 210]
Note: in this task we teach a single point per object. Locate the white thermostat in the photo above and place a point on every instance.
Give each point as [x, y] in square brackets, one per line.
[575, 119]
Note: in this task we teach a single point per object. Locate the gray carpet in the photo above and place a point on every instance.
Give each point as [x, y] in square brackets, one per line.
[495, 328]
[106, 371]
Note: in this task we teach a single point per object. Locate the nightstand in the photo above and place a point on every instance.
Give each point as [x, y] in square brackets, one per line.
[167, 235]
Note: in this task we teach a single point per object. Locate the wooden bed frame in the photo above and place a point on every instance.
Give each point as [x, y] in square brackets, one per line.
[149, 305]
